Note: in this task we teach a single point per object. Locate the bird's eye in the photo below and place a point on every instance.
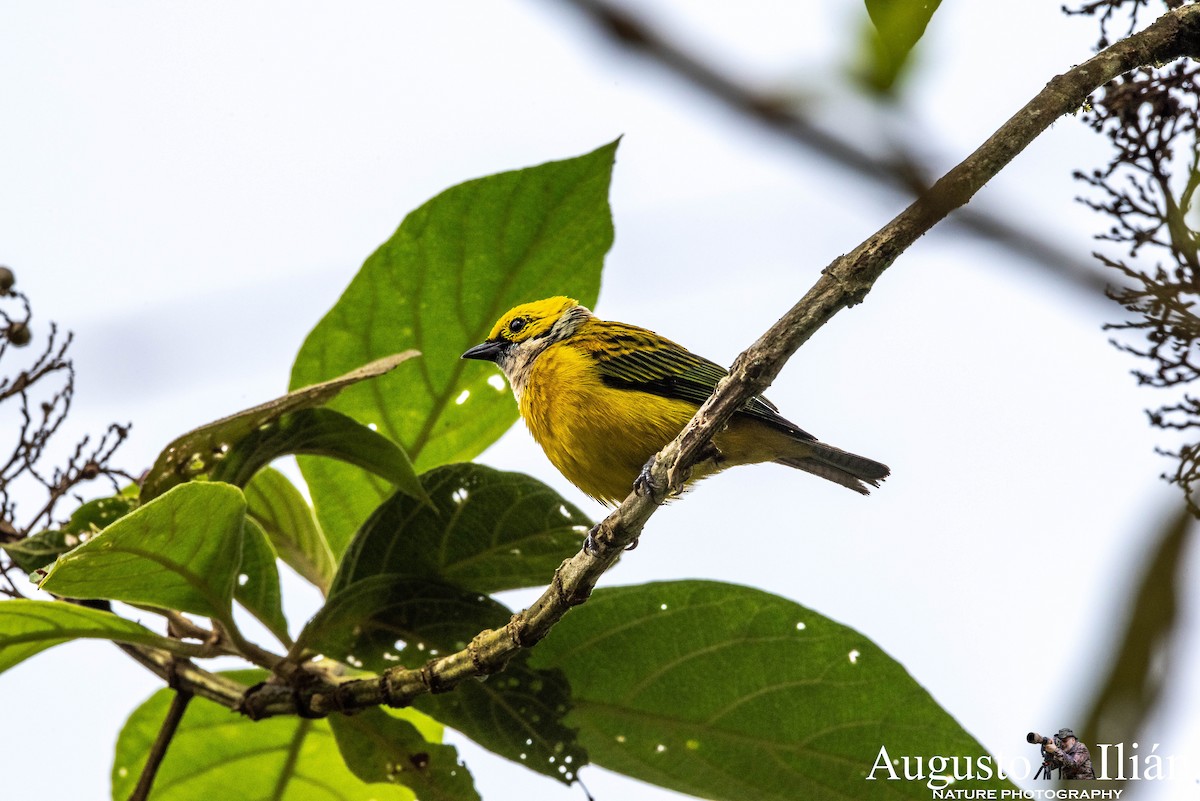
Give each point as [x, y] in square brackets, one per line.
[516, 325]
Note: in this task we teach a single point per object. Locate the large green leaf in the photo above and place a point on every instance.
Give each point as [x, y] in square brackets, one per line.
[486, 530]
[439, 284]
[518, 714]
[390, 619]
[258, 582]
[729, 692]
[277, 506]
[28, 627]
[216, 752]
[180, 551]
[198, 452]
[322, 432]
[381, 747]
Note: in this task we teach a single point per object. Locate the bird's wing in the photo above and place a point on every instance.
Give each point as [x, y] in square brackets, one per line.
[633, 358]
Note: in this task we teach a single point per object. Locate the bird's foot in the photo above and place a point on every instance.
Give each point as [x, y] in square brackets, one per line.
[645, 484]
[593, 546]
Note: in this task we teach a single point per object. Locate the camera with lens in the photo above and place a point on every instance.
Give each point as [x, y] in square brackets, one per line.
[1048, 761]
[1034, 737]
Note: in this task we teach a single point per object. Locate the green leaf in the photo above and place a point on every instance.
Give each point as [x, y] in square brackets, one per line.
[180, 551]
[486, 531]
[343, 498]
[35, 552]
[439, 284]
[197, 452]
[320, 432]
[100, 513]
[387, 619]
[1147, 657]
[214, 750]
[277, 506]
[380, 747]
[518, 714]
[896, 27]
[728, 692]
[28, 627]
[390, 619]
[258, 582]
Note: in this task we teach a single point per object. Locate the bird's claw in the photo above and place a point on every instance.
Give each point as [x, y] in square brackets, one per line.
[645, 484]
[593, 547]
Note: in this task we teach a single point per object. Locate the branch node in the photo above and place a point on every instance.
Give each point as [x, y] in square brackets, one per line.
[432, 680]
[342, 698]
[306, 702]
[517, 629]
[393, 695]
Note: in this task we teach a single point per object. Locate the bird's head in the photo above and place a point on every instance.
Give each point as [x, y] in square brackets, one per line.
[528, 327]
[524, 331]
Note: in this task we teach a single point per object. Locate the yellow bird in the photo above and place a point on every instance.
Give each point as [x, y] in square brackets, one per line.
[602, 397]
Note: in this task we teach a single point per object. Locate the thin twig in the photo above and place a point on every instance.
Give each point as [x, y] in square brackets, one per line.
[154, 759]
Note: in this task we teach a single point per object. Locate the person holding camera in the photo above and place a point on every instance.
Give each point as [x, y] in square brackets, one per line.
[1072, 756]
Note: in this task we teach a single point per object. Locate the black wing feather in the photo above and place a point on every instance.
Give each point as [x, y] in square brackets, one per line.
[633, 358]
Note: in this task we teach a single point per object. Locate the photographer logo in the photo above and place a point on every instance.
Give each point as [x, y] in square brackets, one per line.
[1061, 755]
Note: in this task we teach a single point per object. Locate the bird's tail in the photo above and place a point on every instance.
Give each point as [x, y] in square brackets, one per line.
[848, 469]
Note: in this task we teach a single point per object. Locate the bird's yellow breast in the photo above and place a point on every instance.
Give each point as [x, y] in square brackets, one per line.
[597, 436]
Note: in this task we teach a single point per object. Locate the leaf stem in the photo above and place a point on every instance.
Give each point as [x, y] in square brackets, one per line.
[170, 724]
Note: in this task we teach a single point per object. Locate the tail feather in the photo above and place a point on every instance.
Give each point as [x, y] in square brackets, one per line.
[848, 469]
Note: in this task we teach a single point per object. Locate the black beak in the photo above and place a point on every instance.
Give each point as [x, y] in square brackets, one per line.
[486, 351]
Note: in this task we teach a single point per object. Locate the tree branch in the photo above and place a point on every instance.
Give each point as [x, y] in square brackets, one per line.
[848, 278]
[843, 283]
[185, 675]
[898, 171]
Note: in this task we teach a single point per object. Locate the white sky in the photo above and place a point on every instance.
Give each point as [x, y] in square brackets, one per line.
[189, 187]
